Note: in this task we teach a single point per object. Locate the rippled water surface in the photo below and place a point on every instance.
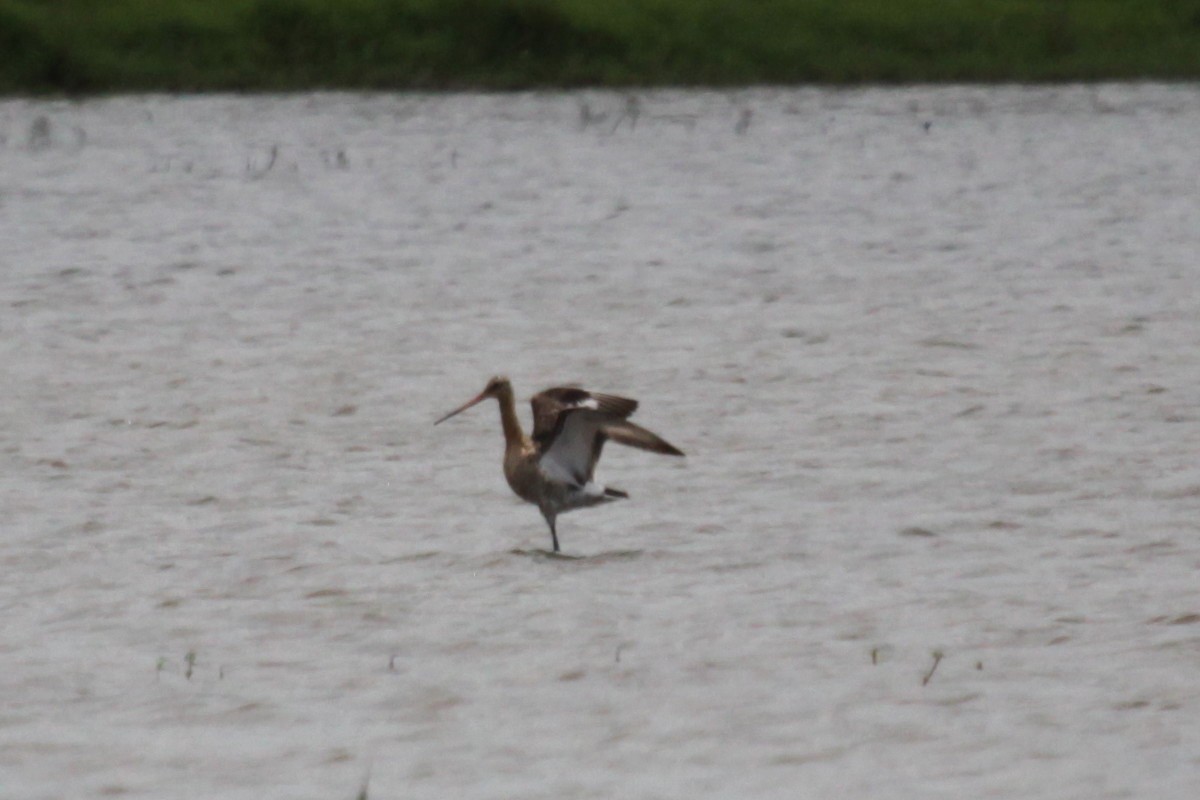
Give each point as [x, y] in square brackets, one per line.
[934, 355]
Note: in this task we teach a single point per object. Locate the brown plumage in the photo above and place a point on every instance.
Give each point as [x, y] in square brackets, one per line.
[553, 468]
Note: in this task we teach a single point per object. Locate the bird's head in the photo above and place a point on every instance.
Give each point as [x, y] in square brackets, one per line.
[498, 387]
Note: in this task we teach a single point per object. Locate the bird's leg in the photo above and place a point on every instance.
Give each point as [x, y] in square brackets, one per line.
[550, 517]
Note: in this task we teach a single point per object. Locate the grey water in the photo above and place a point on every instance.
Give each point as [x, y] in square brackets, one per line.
[932, 353]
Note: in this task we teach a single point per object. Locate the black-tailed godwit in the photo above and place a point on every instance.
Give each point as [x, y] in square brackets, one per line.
[553, 469]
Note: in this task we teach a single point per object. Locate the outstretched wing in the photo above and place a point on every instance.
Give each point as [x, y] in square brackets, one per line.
[632, 435]
[551, 407]
[569, 428]
[571, 456]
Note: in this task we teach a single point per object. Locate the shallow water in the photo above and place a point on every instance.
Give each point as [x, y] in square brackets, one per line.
[932, 353]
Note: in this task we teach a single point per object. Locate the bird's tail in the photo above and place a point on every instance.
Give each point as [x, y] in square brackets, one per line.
[615, 493]
[631, 435]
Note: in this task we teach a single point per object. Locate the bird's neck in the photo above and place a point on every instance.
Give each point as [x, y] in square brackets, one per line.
[514, 437]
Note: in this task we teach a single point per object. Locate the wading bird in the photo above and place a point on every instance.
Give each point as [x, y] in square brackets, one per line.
[553, 468]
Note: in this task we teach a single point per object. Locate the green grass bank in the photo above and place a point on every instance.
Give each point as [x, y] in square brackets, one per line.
[84, 46]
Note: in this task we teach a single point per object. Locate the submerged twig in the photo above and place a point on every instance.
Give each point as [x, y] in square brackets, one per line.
[937, 659]
[743, 123]
[631, 112]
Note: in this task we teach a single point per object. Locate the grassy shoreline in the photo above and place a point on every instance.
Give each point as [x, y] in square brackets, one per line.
[94, 46]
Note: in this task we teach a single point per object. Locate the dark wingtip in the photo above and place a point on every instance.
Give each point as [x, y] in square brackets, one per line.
[632, 435]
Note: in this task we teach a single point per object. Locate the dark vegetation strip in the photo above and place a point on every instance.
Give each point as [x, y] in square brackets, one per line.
[80, 46]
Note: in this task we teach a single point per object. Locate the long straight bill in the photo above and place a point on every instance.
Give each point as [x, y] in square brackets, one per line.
[462, 408]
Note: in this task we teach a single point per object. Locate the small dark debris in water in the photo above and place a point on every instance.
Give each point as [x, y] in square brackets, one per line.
[968, 411]
[1155, 389]
[927, 124]
[979, 665]
[587, 116]
[938, 341]
[345, 411]
[425, 556]
[573, 675]
[57, 463]
[1185, 619]
[631, 112]
[1003, 525]
[190, 661]
[919, 532]
[272, 157]
[226, 272]
[804, 336]
[1132, 705]
[320, 593]
[392, 664]
[614, 555]
[339, 756]
[620, 208]
[203, 501]
[937, 659]
[39, 133]
[743, 123]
